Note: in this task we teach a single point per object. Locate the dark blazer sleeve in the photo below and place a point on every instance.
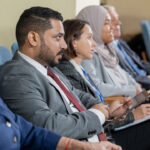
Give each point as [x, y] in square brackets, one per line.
[36, 138]
[86, 98]
[28, 137]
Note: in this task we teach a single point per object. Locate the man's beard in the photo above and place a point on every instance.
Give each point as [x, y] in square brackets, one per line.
[45, 56]
[52, 62]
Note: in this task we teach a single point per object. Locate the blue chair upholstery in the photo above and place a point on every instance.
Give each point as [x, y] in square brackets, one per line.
[5, 55]
[145, 25]
[14, 48]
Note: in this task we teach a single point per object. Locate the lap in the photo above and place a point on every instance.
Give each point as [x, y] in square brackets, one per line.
[134, 138]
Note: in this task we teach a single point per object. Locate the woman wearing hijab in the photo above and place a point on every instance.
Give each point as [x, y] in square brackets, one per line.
[104, 69]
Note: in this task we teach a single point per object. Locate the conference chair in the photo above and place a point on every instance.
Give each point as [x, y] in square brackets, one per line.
[145, 25]
[14, 48]
[5, 55]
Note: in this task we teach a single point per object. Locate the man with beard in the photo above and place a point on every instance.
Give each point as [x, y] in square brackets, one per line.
[40, 93]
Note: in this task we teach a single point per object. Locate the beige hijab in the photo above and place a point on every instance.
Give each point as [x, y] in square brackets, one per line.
[95, 15]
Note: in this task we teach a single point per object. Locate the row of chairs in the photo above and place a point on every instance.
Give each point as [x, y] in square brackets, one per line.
[6, 55]
[145, 25]
[14, 48]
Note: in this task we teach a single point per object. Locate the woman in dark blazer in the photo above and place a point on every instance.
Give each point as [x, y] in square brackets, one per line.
[77, 51]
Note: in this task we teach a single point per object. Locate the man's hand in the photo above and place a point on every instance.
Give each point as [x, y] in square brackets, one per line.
[118, 107]
[78, 145]
[141, 111]
[104, 145]
[103, 108]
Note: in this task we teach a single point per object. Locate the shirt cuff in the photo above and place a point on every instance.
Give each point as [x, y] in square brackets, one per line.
[99, 114]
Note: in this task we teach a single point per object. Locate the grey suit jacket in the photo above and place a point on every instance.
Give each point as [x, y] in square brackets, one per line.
[96, 69]
[27, 92]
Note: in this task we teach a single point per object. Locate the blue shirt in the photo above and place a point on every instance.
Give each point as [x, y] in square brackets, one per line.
[16, 133]
[130, 62]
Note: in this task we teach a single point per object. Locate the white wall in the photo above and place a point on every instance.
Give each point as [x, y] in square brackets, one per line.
[83, 3]
[10, 10]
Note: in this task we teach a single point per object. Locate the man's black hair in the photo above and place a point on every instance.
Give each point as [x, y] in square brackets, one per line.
[73, 31]
[35, 19]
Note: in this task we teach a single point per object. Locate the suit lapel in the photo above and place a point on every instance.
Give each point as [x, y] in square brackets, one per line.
[18, 57]
[63, 98]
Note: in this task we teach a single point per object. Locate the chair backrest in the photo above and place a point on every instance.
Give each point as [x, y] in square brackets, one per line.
[5, 55]
[14, 48]
[145, 25]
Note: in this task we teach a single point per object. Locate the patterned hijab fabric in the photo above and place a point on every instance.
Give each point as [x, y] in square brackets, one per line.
[96, 15]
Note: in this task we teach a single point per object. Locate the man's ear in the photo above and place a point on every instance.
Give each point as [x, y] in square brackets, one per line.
[33, 38]
[74, 44]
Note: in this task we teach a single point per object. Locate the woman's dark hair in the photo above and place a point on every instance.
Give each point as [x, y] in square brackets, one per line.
[73, 30]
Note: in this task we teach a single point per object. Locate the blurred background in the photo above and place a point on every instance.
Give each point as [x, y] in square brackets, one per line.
[131, 12]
